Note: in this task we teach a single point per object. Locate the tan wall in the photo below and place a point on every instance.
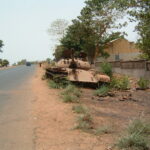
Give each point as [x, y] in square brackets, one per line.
[122, 47]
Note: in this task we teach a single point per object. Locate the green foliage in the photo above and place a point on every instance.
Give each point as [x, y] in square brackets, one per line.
[144, 56]
[139, 126]
[102, 91]
[133, 142]
[121, 83]
[58, 54]
[89, 32]
[69, 98]
[103, 130]
[71, 94]
[106, 68]
[143, 83]
[137, 138]
[1, 45]
[4, 63]
[80, 109]
[58, 82]
[141, 12]
[22, 62]
[84, 122]
[53, 84]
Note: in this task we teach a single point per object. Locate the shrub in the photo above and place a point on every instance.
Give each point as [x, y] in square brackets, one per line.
[53, 84]
[84, 122]
[133, 142]
[69, 98]
[143, 83]
[121, 83]
[71, 94]
[102, 91]
[58, 83]
[137, 138]
[139, 126]
[103, 130]
[106, 68]
[80, 109]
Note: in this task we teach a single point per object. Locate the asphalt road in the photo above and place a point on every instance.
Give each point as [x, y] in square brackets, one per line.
[16, 130]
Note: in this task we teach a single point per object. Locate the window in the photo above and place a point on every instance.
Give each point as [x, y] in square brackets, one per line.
[117, 57]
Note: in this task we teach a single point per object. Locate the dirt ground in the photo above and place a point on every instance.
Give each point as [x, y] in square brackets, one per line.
[54, 120]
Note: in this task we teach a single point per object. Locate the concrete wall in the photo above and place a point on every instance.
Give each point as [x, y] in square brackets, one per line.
[131, 68]
[137, 73]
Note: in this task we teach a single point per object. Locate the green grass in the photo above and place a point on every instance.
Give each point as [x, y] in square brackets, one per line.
[137, 137]
[79, 109]
[121, 83]
[102, 91]
[70, 98]
[71, 94]
[106, 68]
[143, 83]
[52, 84]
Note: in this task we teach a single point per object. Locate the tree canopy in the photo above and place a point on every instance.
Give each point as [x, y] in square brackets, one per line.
[92, 29]
[4, 63]
[141, 12]
[1, 45]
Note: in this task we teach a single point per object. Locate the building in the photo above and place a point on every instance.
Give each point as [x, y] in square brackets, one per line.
[121, 50]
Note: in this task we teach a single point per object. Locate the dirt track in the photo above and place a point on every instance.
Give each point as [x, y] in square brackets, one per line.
[54, 120]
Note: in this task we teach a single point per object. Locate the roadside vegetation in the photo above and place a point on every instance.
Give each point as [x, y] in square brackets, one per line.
[103, 130]
[106, 68]
[71, 94]
[102, 91]
[137, 136]
[79, 109]
[58, 83]
[4, 62]
[85, 122]
[120, 83]
[143, 83]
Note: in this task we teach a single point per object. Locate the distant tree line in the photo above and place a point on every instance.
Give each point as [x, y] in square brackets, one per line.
[1, 45]
[94, 28]
[4, 62]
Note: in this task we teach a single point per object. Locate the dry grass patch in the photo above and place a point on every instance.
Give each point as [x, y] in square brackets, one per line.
[137, 136]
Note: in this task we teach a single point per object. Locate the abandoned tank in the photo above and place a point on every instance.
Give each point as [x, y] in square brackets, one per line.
[76, 71]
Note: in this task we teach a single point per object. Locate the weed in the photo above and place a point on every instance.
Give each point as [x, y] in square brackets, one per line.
[102, 91]
[84, 122]
[139, 126]
[121, 83]
[106, 68]
[137, 138]
[70, 99]
[71, 94]
[103, 130]
[143, 83]
[80, 109]
[133, 142]
[53, 84]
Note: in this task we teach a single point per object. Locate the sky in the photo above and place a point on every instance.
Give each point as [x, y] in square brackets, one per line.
[24, 25]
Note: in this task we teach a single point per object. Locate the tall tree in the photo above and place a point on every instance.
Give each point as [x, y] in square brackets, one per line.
[58, 28]
[5, 63]
[141, 12]
[93, 28]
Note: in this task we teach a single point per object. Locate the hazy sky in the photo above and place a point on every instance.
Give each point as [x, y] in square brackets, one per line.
[24, 24]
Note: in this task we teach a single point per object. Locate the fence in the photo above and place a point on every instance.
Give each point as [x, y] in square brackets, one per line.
[138, 68]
